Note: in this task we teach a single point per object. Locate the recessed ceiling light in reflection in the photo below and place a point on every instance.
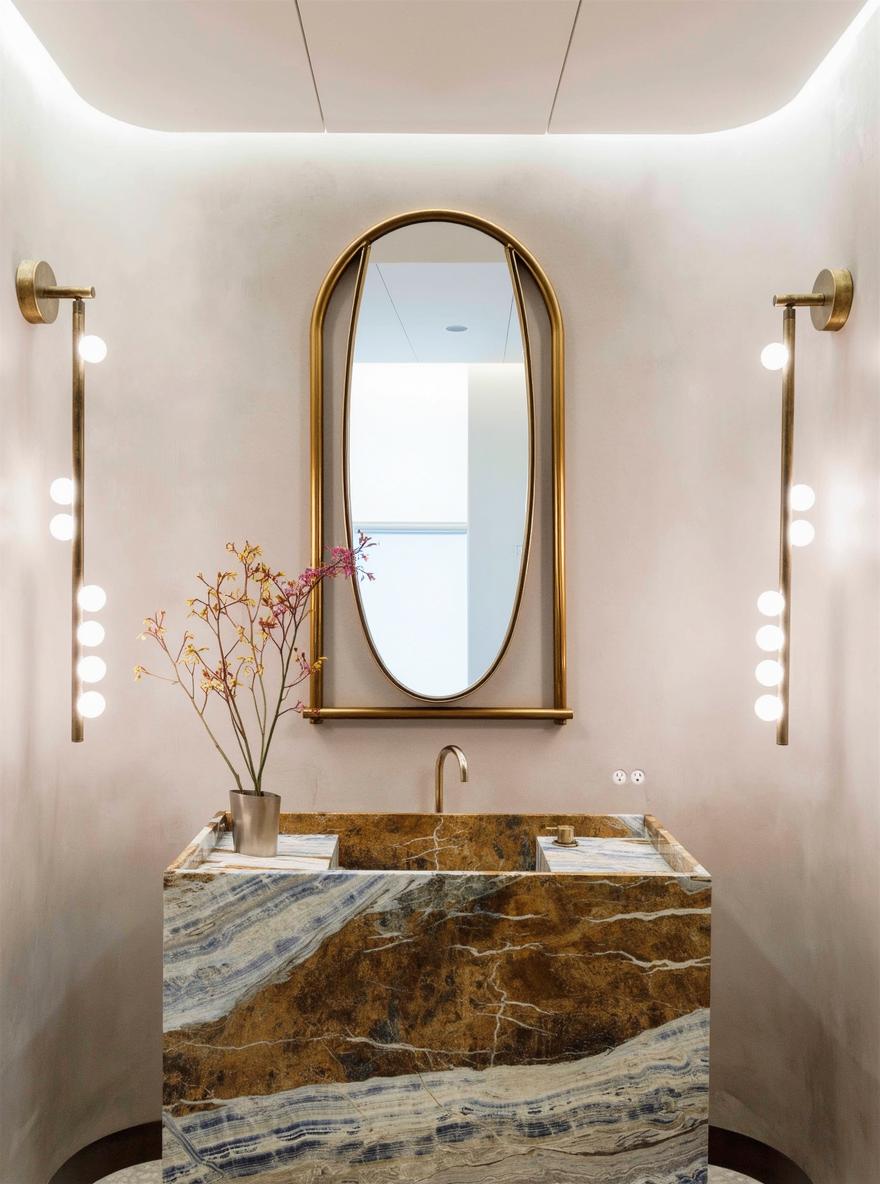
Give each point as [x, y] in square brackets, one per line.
[456, 328]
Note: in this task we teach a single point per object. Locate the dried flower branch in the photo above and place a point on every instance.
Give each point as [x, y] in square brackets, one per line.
[252, 663]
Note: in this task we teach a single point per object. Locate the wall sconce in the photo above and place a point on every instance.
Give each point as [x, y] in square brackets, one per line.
[829, 304]
[38, 296]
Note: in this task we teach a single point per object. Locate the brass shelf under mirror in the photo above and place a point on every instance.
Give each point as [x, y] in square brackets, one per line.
[441, 705]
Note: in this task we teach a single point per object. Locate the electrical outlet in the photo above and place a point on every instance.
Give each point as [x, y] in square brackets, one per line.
[637, 776]
[619, 777]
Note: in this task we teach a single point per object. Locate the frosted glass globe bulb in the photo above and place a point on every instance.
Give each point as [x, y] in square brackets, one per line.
[801, 497]
[801, 532]
[92, 348]
[90, 633]
[768, 707]
[774, 356]
[61, 527]
[769, 638]
[91, 598]
[771, 603]
[769, 672]
[91, 668]
[61, 491]
[91, 704]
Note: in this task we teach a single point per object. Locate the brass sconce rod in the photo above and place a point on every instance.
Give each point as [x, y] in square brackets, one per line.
[78, 465]
[786, 469]
[830, 303]
[38, 297]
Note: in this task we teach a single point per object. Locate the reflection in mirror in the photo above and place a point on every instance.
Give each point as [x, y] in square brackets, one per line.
[439, 453]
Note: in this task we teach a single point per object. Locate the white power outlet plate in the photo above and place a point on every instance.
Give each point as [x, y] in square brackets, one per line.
[637, 776]
[619, 777]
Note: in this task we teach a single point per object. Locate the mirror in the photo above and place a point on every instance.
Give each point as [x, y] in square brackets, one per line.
[438, 462]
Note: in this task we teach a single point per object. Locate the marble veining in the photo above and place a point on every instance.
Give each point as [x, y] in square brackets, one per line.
[635, 1113]
[364, 1026]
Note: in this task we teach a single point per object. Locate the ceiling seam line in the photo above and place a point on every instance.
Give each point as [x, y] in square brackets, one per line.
[396, 313]
[577, 13]
[302, 30]
[507, 334]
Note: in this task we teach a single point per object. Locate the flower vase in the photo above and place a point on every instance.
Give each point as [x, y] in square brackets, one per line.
[255, 822]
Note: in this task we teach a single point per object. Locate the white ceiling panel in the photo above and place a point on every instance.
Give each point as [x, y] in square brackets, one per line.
[691, 65]
[437, 65]
[183, 65]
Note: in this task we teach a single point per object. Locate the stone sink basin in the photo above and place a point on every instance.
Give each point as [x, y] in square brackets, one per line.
[402, 997]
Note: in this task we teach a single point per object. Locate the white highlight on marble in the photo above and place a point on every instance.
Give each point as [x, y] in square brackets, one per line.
[296, 853]
[638, 855]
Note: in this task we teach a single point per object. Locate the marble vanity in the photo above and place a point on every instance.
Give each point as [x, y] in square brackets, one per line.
[402, 997]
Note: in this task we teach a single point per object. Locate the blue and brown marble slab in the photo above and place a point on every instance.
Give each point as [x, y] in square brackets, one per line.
[599, 855]
[422, 1015]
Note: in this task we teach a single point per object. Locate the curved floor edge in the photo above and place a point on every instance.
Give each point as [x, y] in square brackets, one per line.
[140, 1144]
[740, 1153]
[121, 1149]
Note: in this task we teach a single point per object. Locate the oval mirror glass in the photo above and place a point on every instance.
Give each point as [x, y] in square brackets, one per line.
[438, 463]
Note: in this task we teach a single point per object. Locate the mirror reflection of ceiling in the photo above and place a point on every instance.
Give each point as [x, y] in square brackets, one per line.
[438, 292]
[438, 312]
[495, 66]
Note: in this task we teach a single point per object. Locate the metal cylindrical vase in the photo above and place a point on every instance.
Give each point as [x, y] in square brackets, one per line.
[255, 822]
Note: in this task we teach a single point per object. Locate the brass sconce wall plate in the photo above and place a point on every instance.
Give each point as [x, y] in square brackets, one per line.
[39, 295]
[829, 303]
[837, 288]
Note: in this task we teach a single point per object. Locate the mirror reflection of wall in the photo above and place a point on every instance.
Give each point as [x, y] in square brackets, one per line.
[439, 454]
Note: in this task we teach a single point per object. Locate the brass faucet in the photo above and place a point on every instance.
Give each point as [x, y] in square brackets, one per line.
[438, 773]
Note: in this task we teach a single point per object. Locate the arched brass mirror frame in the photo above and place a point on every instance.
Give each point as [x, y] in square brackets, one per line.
[317, 711]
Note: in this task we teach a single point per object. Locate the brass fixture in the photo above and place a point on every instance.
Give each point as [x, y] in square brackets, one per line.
[564, 835]
[38, 295]
[519, 257]
[438, 772]
[829, 302]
